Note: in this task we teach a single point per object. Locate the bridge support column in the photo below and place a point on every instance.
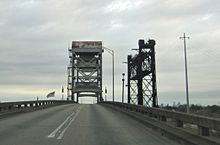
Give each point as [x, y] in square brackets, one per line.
[77, 98]
[179, 123]
[163, 118]
[9, 107]
[204, 131]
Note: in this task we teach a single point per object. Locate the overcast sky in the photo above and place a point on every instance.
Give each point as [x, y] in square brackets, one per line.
[35, 34]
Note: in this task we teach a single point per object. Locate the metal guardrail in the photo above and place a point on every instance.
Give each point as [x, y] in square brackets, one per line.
[203, 123]
[7, 106]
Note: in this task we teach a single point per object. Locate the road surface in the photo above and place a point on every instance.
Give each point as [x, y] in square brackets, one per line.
[75, 124]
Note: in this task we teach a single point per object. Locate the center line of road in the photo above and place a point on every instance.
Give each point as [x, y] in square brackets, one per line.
[61, 129]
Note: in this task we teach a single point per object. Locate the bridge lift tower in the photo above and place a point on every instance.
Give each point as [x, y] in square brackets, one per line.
[85, 70]
[142, 89]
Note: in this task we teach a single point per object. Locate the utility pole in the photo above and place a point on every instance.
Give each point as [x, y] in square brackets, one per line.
[113, 76]
[186, 72]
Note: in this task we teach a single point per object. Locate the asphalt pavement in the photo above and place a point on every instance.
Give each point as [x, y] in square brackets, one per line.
[75, 124]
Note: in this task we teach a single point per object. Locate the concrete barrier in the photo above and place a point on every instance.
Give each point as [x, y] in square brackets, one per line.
[10, 108]
[176, 124]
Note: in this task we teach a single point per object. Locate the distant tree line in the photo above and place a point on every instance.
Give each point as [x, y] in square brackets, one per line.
[211, 111]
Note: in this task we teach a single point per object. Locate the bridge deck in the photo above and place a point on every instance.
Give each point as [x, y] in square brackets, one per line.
[75, 124]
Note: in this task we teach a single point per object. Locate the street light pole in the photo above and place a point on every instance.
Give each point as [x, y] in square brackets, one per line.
[113, 76]
[123, 86]
[186, 73]
[110, 51]
[62, 93]
[105, 94]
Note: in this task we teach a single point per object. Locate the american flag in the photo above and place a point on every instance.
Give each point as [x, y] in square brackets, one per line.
[52, 94]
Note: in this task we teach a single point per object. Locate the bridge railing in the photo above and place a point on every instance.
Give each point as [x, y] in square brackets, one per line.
[9, 106]
[203, 123]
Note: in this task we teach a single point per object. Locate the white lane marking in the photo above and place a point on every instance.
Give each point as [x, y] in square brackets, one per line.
[70, 118]
[64, 130]
[60, 126]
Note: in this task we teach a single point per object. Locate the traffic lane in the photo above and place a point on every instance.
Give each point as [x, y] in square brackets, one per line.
[99, 125]
[34, 127]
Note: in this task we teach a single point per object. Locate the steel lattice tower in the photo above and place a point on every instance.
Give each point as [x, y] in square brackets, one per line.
[142, 89]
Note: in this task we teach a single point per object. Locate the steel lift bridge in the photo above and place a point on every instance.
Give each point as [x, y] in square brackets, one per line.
[142, 88]
[85, 70]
